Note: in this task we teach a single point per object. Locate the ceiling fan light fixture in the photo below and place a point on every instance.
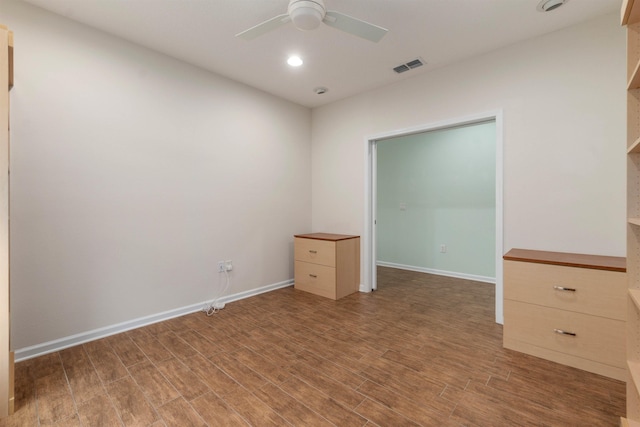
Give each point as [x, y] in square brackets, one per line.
[306, 14]
[309, 14]
[549, 5]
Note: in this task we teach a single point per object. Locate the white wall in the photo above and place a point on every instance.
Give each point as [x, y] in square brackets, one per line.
[563, 99]
[133, 173]
[438, 188]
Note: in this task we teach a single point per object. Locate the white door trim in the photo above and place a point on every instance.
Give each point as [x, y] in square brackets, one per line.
[369, 236]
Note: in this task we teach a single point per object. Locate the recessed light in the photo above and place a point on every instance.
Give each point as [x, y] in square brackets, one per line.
[549, 5]
[321, 90]
[294, 61]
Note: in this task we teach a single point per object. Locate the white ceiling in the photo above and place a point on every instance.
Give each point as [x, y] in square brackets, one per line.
[202, 33]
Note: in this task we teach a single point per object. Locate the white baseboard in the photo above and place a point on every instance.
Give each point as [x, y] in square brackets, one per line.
[466, 276]
[70, 341]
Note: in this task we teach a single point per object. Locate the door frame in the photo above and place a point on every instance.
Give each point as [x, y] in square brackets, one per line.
[369, 235]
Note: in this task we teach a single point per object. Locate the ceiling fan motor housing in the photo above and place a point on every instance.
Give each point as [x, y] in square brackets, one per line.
[306, 14]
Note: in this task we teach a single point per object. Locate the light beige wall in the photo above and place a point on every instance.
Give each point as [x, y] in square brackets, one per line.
[563, 99]
[133, 173]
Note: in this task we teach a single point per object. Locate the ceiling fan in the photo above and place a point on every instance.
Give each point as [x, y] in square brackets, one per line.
[308, 14]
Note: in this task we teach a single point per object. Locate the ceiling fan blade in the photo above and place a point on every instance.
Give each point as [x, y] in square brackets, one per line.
[264, 27]
[354, 26]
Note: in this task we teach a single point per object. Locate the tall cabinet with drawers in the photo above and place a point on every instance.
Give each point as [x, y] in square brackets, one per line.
[327, 264]
[568, 308]
[631, 18]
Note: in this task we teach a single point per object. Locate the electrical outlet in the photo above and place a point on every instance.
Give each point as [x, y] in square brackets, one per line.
[443, 248]
[229, 265]
[221, 266]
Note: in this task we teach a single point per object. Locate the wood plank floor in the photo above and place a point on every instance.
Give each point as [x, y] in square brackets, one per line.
[422, 350]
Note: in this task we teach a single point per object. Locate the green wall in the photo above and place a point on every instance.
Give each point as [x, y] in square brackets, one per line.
[438, 188]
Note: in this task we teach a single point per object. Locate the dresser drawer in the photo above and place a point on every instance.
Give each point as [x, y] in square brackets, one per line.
[315, 278]
[589, 291]
[596, 338]
[315, 251]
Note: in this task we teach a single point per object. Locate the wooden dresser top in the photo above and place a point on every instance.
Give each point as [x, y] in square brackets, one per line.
[326, 236]
[597, 262]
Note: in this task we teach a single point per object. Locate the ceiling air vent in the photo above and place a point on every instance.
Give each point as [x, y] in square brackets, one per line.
[408, 66]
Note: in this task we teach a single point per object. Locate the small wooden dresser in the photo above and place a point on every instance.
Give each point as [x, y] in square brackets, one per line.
[327, 264]
[568, 308]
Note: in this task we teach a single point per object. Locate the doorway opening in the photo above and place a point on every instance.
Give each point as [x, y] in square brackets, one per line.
[371, 233]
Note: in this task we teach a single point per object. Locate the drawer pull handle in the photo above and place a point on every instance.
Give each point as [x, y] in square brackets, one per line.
[313, 275]
[561, 332]
[562, 288]
[312, 251]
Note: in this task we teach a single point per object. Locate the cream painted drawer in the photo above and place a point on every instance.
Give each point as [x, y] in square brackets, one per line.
[315, 251]
[589, 291]
[596, 339]
[315, 278]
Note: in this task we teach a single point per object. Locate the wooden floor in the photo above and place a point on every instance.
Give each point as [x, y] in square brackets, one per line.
[422, 350]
